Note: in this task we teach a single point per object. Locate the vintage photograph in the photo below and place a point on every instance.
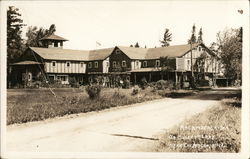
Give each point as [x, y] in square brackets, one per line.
[124, 76]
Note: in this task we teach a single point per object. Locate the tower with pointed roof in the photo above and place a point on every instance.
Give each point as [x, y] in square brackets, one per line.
[53, 41]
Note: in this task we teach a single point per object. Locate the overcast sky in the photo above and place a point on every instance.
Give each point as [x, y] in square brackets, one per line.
[123, 23]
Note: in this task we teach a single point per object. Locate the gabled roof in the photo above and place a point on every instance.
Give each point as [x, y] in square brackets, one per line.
[54, 37]
[61, 54]
[27, 63]
[99, 54]
[74, 55]
[170, 51]
[134, 53]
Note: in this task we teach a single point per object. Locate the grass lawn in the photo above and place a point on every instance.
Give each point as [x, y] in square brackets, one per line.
[218, 129]
[25, 105]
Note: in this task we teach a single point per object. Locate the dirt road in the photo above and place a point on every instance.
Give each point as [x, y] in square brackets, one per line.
[128, 128]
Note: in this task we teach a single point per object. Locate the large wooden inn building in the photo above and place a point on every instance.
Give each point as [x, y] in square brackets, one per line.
[168, 63]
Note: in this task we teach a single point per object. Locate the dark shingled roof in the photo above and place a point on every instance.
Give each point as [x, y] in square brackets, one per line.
[54, 37]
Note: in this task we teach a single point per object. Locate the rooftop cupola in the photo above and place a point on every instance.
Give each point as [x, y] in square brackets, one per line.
[53, 41]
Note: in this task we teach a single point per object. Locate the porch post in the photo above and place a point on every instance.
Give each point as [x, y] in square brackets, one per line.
[135, 78]
[149, 80]
[176, 78]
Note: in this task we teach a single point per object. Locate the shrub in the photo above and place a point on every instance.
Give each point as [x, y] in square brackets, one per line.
[203, 82]
[161, 84]
[93, 91]
[126, 83]
[73, 82]
[144, 83]
[135, 90]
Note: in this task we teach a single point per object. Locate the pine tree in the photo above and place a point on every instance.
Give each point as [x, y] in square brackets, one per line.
[200, 39]
[15, 44]
[193, 36]
[166, 39]
[137, 45]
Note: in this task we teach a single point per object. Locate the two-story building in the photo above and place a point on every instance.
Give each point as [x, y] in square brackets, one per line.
[169, 63]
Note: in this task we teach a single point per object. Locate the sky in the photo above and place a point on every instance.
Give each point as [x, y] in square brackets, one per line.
[122, 23]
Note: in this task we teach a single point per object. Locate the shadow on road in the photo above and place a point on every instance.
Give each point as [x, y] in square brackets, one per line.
[215, 94]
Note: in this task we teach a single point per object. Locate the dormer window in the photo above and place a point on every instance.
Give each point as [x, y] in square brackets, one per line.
[157, 63]
[90, 65]
[96, 64]
[145, 63]
[53, 63]
[68, 64]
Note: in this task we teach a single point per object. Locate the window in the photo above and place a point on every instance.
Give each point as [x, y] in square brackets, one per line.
[107, 64]
[90, 64]
[68, 64]
[96, 64]
[114, 64]
[53, 63]
[124, 64]
[199, 48]
[145, 63]
[157, 63]
[29, 76]
[117, 51]
[136, 63]
[82, 64]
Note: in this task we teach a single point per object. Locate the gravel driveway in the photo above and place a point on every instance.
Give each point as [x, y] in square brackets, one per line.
[121, 129]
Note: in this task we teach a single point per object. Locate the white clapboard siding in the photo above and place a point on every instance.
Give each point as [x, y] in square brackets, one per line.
[61, 67]
[105, 65]
[180, 64]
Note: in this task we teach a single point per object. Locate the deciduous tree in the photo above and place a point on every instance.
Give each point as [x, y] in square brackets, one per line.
[230, 52]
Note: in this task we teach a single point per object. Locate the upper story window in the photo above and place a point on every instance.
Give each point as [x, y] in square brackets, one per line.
[124, 64]
[90, 65]
[107, 64]
[137, 63]
[81, 64]
[145, 63]
[114, 64]
[157, 64]
[96, 64]
[53, 63]
[199, 48]
[68, 64]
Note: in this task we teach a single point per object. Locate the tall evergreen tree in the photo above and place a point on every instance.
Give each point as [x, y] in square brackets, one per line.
[15, 44]
[137, 45]
[200, 39]
[193, 36]
[166, 39]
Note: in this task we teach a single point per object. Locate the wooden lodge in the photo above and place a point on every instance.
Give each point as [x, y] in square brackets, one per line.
[133, 64]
